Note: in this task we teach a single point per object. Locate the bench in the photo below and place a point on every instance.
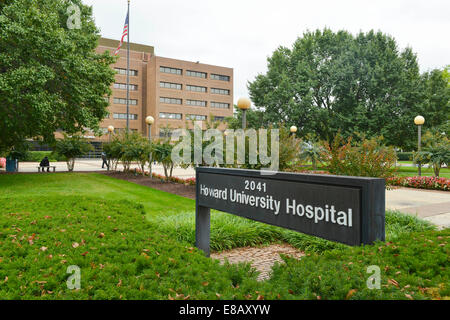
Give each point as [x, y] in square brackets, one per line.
[43, 168]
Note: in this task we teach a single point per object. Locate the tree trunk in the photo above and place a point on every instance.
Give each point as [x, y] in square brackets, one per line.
[70, 164]
[437, 169]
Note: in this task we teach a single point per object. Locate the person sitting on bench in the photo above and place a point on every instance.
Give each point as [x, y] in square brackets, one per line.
[45, 164]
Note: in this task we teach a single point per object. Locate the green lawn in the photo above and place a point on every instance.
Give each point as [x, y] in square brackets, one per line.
[412, 172]
[133, 242]
[155, 202]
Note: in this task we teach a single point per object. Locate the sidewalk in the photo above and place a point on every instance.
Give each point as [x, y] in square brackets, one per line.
[433, 206]
[88, 165]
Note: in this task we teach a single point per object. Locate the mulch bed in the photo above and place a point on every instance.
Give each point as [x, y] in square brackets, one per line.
[179, 189]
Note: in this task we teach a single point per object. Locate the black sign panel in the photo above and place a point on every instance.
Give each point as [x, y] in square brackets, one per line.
[349, 210]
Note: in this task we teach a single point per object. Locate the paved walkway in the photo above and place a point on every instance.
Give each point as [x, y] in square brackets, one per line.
[430, 205]
[88, 165]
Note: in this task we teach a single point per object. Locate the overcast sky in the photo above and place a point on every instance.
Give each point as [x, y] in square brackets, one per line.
[241, 34]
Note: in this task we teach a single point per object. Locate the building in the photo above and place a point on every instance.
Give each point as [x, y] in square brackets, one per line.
[174, 92]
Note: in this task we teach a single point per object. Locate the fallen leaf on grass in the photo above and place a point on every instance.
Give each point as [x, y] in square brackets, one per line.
[409, 296]
[350, 293]
[85, 253]
[75, 245]
[392, 281]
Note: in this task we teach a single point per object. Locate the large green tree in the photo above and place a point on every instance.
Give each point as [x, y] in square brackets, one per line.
[335, 81]
[51, 78]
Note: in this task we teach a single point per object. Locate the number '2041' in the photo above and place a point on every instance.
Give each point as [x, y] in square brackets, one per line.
[253, 185]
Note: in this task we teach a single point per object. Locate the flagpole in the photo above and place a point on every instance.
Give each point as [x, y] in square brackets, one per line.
[128, 70]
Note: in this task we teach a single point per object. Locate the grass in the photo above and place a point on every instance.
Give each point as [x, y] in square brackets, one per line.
[412, 172]
[132, 242]
[155, 202]
[228, 231]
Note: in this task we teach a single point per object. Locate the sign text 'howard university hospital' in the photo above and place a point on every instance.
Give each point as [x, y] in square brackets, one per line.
[349, 210]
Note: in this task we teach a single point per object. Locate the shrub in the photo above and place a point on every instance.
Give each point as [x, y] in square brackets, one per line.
[436, 151]
[405, 156]
[162, 153]
[37, 156]
[71, 147]
[366, 158]
[288, 149]
[128, 148]
[311, 151]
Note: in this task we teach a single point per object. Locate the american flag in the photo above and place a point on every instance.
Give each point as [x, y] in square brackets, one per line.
[125, 33]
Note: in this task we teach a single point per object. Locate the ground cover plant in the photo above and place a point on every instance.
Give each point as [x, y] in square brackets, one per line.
[126, 250]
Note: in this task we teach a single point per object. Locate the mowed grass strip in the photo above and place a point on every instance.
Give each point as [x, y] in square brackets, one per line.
[155, 202]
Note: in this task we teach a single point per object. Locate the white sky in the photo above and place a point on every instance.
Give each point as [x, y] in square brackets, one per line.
[241, 34]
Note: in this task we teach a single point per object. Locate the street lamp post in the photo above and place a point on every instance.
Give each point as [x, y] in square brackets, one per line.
[244, 104]
[419, 121]
[110, 130]
[293, 130]
[150, 120]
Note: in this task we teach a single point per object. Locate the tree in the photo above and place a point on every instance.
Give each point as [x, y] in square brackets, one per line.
[436, 151]
[72, 147]
[255, 119]
[334, 81]
[436, 97]
[162, 153]
[50, 76]
[311, 151]
[135, 148]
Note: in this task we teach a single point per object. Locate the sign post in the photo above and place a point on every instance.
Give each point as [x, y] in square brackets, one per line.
[349, 210]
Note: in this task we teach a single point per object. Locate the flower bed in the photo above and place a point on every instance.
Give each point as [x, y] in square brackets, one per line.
[433, 183]
[188, 181]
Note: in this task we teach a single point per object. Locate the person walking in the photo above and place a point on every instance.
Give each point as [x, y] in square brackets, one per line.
[105, 161]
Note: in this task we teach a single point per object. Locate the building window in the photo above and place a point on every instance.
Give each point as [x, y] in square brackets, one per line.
[196, 74]
[169, 85]
[194, 117]
[122, 116]
[123, 86]
[220, 91]
[196, 103]
[174, 116]
[170, 70]
[218, 118]
[123, 130]
[132, 102]
[220, 77]
[168, 133]
[124, 71]
[170, 100]
[195, 88]
[220, 105]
